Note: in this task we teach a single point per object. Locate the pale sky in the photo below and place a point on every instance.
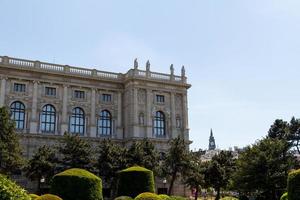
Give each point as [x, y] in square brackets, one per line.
[242, 57]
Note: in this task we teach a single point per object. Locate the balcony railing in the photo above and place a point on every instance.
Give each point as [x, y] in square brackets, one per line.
[93, 73]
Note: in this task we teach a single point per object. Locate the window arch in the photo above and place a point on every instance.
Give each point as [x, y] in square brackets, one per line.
[17, 110]
[77, 121]
[104, 125]
[159, 126]
[48, 119]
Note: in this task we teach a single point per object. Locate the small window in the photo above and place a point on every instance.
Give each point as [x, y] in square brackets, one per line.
[78, 94]
[19, 87]
[106, 97]
[160, 98]
[50, 91]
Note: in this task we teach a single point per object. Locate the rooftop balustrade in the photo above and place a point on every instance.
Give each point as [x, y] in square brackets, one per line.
[93, 73]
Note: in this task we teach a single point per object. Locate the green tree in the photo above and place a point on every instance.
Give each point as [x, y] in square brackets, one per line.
[10, 150]
[42, 165]
[143, 153]
[219, 171]
[279, 129]
[194, 177]
[176, 161]
[263, 168]
[111, 159]
[75, 153]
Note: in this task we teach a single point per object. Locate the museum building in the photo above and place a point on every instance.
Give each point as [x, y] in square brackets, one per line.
[46, 100]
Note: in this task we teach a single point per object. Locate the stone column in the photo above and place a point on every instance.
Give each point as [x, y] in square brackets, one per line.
[185, 124]
[64, 121]
[93, 129]
[149, 113]
[173, 116]
[135, 111]
[119, 117]
[34, 115]
[2, 92]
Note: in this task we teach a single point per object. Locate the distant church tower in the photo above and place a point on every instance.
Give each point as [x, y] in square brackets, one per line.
[212, 143]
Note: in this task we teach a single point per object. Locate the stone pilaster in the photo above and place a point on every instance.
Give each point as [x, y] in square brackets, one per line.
[64, 123]
[135, 113]
[185, 124]
[119, 117]
[2, 92]
[173, 116]
[149, 114]
[34, 117]
[93, 128]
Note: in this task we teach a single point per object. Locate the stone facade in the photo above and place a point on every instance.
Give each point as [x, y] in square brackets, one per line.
[131, 99]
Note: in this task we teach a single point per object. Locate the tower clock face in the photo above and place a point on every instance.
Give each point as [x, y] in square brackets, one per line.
[212, 143]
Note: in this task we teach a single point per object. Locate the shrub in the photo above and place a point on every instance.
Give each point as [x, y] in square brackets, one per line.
[147, 196]
[164, 197]
[123, 198]
[229, 198]
[33, 196]
[284, 196]
[9, 190]
[178, 198]
[49, 197]
[134, 181]
[77, 184]
[294, 185]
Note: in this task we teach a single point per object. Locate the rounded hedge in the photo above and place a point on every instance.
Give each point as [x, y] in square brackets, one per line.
[284, 196]
[49, 197]
[9, 190]
[164, 197]
[178, 198]
[229, 198]
[77, 184]
[294, 185]
[147, 196]
[123, 198]
[33, 196]
[134, 181]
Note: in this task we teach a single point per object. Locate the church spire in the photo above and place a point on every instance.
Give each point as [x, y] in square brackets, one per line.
[212, 143]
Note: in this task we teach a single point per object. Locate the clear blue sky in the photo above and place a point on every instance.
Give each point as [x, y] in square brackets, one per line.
[241, 56]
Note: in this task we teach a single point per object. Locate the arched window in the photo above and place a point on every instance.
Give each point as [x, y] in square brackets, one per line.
[48, 119]
[77, 121]
[104, 123]
[159, 126]
[17, 110]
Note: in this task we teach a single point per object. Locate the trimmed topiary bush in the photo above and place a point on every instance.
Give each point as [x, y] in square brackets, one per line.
[164, 197]
[134, 181]
[9, 190]
[178, 198]
[33, 196]
[77, 184]
[49, 197]
[123, 198]
[284, 196]
[147, 196]
[294, 185]
[229, 198]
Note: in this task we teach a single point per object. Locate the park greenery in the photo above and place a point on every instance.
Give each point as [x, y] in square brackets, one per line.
[263, 170]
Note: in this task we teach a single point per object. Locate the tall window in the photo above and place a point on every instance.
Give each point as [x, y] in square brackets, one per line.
[105, 123]
[159, 126]
[77, 121]
[19, 87]
[18, 114]
[48, 119]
